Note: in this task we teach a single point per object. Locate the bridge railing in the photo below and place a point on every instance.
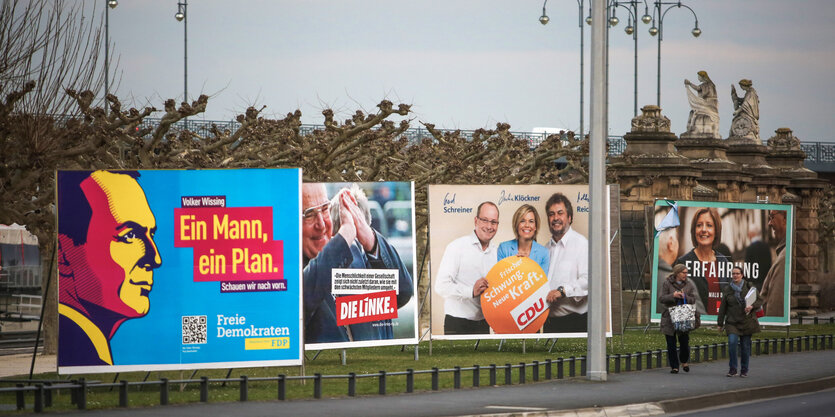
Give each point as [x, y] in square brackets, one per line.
[818, 154]
[203, 128]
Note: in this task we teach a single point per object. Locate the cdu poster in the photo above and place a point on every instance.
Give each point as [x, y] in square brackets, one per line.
[510, 261]
[178, 269]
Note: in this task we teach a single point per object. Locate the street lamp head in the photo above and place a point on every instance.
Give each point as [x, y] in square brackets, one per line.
[588, 20]
[544, 19]
[180, 16]
[112, 3]
[696, 32]
[653, 31]
[629, 29]
[646, 18]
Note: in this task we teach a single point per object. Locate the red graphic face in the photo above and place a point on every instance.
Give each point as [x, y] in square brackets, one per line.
[114, 268]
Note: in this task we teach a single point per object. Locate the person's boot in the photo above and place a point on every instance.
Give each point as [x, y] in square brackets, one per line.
[732, 372]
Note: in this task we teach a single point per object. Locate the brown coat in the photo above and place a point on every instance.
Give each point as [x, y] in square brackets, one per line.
[774, 286]
[732, 314]
[667, 300]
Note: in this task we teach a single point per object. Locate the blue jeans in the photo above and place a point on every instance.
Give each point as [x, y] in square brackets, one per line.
[745, 342]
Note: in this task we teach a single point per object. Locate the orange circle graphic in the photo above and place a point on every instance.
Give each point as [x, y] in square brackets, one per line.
[514, 301]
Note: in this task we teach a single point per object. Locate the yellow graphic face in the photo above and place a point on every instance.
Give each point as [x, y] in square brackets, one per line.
[120, 247]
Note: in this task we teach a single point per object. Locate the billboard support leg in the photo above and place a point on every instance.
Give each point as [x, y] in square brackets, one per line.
[43, 309]
[227, 377]
[115, 378]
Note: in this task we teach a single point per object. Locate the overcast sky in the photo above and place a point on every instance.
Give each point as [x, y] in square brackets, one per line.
[471, 64]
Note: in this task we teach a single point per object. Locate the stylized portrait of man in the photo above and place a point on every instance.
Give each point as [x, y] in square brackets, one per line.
[106, 261]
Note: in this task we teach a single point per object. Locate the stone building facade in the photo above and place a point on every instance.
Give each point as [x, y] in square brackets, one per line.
[657, 164]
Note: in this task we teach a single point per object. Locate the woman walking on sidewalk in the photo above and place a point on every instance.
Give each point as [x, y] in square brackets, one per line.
[676, 290]
[739, 320]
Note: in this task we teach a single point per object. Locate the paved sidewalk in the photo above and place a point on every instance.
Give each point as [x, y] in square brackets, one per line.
[647, 392]
[19, 365]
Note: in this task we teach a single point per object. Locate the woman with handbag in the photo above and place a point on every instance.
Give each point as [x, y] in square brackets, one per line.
[677, 290]
[739, 321]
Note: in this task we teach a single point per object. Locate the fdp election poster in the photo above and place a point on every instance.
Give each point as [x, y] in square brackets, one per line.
[178, 269]
[358, 244]
[510, 261]
[711, 238]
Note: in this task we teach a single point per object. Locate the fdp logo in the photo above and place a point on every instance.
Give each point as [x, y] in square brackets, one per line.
[514, 301]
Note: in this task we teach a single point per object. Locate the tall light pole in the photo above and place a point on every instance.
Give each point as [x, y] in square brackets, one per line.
[111, 4]
[657, 29]
[182, 16]
[598, 239]
[544, 20]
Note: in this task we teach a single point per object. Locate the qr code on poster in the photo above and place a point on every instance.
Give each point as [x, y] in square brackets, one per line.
[194, 330]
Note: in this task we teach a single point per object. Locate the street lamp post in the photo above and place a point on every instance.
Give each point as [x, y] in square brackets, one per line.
[182, 16]
[657, 29]
[111, 4]
[544, 20]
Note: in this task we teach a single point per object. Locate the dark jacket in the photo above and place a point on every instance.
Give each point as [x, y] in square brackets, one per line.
[75, 346]
[699, 279]
[667, 300]
[758, 252]
[319, 304]
[732, 314]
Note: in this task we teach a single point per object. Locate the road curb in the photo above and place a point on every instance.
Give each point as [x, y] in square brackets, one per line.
[628, 410]
[746, 394]
[683, 404]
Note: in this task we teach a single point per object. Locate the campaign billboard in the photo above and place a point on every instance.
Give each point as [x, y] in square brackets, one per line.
[358, 247]
[711, 238]
[178, 269]
[510, 261]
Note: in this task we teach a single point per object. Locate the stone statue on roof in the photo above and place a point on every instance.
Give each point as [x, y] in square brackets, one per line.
[704, 114]
[746, 122]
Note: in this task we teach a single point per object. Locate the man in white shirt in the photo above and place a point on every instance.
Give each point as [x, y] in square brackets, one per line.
[568, 274]
[461, 275]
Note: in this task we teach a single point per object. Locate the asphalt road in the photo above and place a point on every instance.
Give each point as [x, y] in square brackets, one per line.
[705, 386]
[820, 403]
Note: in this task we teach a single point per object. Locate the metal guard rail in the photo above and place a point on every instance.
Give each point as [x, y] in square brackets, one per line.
[42, 390]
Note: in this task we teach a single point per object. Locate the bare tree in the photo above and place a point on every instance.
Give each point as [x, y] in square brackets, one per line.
[50, 119]
[54, 43]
